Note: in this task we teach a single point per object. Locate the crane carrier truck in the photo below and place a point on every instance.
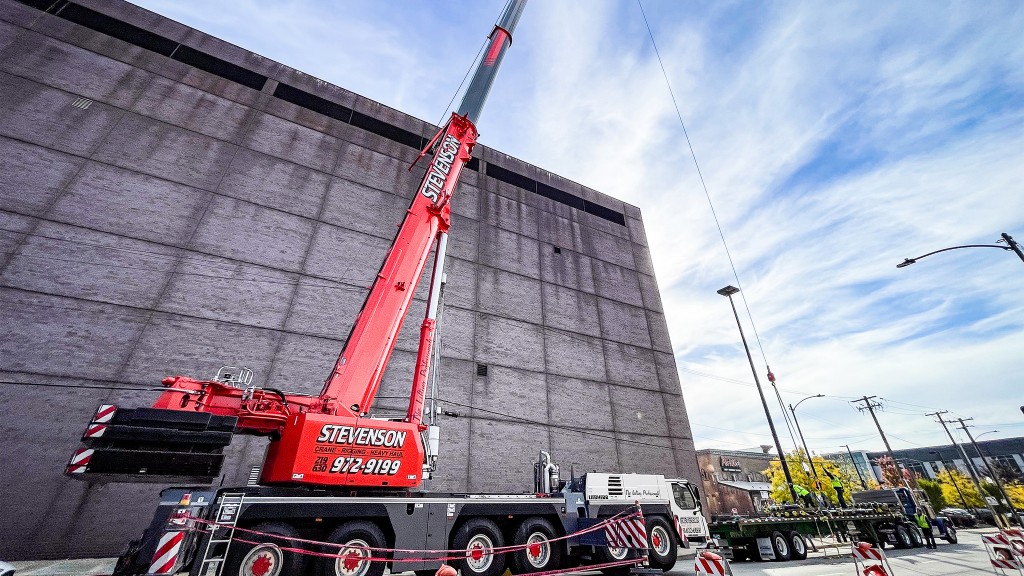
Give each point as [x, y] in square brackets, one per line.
[338, 492]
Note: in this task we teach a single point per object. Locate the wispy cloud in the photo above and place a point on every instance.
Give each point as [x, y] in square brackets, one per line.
[834, 139]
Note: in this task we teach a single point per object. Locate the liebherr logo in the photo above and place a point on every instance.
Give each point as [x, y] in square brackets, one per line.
[331, 434]
[439, 168]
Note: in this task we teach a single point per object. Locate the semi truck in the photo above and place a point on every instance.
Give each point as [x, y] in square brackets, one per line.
[339, 492]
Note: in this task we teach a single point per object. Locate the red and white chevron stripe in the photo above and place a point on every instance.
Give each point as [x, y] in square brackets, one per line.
[867, 553]
[166, 556]
[95, 431]
[104, 413]
[628, 533]
[995, 538]
[1011, 564]
[708, 563]
[79, 461]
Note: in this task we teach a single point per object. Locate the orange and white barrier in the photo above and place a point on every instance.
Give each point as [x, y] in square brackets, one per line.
[1005, 551]
[711, 564]
[870, 561]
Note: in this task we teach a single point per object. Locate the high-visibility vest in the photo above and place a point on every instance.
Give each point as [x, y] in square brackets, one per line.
[800, 490]
[836, 483]
[922, 521]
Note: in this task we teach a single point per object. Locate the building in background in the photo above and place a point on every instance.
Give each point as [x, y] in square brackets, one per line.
[734, 481]
[171, 203]
[931, 462]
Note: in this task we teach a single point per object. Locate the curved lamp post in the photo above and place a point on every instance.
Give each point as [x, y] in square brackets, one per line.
[1011, 244]
[807, 452]
[728, 291]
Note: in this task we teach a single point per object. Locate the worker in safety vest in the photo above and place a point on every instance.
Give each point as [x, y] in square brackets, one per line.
[926, 527]
[837, 485]
[804, 495]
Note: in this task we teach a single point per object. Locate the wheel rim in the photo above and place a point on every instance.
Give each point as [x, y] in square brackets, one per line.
[538, 550]
[262, 560]
[660, 542]
[798, 544]
[780, 543]
[617, 553]
[477, 559]
[354, 558]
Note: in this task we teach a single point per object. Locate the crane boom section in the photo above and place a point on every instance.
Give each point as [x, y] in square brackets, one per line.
[357, 374]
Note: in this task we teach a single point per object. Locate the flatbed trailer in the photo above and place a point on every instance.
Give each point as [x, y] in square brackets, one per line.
[784, 536]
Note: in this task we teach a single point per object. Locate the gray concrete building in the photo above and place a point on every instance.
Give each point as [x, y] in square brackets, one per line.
[171, 203]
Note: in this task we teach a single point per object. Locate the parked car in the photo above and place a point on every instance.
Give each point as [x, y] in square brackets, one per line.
[959, 517]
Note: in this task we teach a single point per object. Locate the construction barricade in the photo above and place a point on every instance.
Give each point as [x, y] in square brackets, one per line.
[870, 561]
[1005, 551]
[711, 564]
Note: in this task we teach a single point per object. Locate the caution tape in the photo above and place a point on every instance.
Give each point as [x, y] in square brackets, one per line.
[461, 553]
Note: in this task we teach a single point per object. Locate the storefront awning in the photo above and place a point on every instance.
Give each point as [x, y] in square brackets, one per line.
[747, 486]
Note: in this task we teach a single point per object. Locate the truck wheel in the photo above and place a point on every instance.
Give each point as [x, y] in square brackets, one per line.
[780, 545]
[540, 555]
[903, 538]
[916, 537]
[357, 540]
[266, 558]
[797, 545]
[475, 537]
[661, 542]
[951, 535]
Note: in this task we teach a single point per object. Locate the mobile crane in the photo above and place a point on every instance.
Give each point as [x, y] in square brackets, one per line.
[336, 493]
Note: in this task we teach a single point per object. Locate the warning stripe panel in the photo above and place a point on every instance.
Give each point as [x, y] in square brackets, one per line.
[79, 461]
[166, 553]
[104, 413]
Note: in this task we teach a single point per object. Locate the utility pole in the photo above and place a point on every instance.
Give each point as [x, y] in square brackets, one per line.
[856, 468]
[1016, 248]
[870, 407]
[970, 464]
[991, 468]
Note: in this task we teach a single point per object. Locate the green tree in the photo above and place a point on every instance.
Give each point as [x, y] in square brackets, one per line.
[797, 461]
[933, 488]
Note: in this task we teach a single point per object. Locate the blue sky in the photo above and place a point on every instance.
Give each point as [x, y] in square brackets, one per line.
[835, 139]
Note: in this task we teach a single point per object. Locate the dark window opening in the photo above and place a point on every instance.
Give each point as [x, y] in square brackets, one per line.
[481, 369]
[473, 164]
[121, 30]
[602, 212]
[219, 67]
[391, 132]
[558, 250]
[313, 102]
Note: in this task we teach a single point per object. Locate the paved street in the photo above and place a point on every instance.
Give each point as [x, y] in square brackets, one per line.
[966, 557]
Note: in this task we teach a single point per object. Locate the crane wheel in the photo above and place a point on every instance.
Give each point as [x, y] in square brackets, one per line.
[540, 555]
[266, 558]
[356, 540]
[661, 542]
[477, 536]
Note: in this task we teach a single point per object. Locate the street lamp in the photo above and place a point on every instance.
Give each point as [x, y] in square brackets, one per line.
[728, 291]
[807, 452]
[1011, 245]
[952, 480]
[983, 433]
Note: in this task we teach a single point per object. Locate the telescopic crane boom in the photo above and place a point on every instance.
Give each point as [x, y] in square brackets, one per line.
[326, 439]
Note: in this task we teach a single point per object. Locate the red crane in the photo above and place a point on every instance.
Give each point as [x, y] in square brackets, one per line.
[327, 439]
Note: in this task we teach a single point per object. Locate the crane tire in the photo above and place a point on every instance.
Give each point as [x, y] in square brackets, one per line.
[661, 542]
[357, 538]
[473, 536]
[540, 555]
[798, 545]
[781, 547]
[266, 558]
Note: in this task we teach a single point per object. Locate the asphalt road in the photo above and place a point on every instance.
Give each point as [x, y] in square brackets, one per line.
[964, 558]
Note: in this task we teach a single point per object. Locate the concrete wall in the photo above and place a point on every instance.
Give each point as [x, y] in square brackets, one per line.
[158, 219]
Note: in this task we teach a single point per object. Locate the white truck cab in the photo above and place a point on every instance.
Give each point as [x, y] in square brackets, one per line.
[689, 522]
